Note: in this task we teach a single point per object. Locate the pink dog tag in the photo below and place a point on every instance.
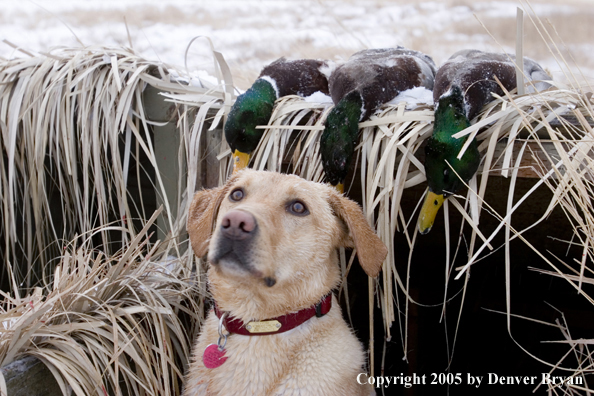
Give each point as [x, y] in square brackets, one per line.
[213, 357]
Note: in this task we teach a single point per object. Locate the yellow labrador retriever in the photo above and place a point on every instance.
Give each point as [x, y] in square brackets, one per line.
[276, 329]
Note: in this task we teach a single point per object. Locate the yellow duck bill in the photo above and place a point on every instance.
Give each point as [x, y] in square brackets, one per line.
[240, 161]
[429, 210]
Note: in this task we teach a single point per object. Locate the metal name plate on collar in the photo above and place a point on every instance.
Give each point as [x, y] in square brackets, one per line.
[263, 327]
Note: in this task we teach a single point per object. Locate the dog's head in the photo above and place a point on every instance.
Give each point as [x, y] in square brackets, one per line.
[276, 235]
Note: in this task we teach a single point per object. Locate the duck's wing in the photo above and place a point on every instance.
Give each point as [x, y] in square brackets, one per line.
[532, 70]
[536, 73]
[473, 71]
[301, 77]
[379, 75]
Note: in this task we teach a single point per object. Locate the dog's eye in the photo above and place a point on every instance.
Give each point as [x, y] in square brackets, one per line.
[236, 195]
[297, 208]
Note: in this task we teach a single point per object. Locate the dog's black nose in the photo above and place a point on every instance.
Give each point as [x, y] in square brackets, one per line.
[238, 225]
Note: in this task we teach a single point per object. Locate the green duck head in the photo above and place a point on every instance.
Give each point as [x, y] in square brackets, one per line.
[338, 141]
[252, 108]
[446, 174]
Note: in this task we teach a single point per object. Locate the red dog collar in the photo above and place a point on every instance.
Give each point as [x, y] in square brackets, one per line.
[276, 325]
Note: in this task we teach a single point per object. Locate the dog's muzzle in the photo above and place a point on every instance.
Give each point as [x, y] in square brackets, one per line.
[237, 231]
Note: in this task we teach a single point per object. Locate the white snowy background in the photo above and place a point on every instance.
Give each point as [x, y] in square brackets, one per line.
[252, 33]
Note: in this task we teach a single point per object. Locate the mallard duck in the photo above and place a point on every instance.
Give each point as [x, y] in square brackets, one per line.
[463, 85]
[283, 77]
[358, 88]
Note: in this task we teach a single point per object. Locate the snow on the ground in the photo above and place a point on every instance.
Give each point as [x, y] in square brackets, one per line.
[251, 33]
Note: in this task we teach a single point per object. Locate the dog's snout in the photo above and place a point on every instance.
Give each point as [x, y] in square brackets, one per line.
[238, 225]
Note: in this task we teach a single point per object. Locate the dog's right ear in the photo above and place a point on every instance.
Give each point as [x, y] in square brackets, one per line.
[203, 214]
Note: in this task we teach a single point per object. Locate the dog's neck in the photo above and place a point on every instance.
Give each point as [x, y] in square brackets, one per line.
[250, 300]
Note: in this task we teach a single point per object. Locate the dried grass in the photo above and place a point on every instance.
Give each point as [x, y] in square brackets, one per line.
[73, 135]
[106, 324]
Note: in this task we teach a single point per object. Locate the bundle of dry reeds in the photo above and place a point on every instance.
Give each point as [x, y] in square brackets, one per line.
[106, 324]
[76, 140]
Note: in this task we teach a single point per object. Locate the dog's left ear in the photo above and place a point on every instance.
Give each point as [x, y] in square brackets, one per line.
[370, 249]
[203, 214]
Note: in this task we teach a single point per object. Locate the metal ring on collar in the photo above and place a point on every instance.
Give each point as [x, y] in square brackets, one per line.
[221, 325]
[221, 334]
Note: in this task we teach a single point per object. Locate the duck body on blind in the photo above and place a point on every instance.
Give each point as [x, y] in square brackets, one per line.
[253, 108]
[358, 88]
[463, 85]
